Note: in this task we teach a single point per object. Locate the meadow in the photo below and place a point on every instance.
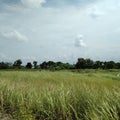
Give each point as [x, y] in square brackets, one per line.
[60, 95]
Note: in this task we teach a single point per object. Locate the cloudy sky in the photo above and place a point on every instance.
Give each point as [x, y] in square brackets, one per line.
[59, 30]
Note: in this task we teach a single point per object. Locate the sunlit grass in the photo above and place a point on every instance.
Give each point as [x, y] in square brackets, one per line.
[61, 95]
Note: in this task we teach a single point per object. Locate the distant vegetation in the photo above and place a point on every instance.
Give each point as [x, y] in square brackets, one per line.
[51, 65]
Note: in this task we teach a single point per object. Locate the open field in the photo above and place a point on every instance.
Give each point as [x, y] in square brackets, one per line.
[61, 95]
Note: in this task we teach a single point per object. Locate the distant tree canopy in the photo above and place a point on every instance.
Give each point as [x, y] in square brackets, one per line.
[90, 64]
[98, 64]
[35, 64]
[84, 63]
[5, 65]
[17, 63]
[51, 65]
[29, 65]
[55, 65]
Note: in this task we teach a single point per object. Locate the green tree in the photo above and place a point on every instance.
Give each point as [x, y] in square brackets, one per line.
[80, 63]
[5, 65]
[17, 63]
[43, 65]
[117, 65]
[89, 63]
[98, 64]
[35, 64]
[109, 65]
[29, 65]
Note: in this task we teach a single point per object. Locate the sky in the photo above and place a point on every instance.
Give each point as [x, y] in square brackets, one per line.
[59, 30]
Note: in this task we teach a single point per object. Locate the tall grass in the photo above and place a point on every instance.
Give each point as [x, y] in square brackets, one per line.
[62, 95]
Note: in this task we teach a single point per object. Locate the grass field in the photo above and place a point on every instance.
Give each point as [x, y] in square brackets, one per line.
[60, 95]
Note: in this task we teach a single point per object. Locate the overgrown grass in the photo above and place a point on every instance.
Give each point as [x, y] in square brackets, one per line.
[61, 95]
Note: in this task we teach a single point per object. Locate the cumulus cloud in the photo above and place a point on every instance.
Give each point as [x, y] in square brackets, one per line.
[14, 35]
[79, 42]
[32, 3]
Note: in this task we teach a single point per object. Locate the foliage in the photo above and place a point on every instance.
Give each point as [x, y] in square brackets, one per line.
[17, 63]
[29, 65]
[5, 65]
[51, 65]
[35, 64]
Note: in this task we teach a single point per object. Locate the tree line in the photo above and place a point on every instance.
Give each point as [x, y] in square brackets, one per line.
[51, 65]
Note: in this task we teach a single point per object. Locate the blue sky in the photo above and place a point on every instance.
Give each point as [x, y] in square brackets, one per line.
[59, 30]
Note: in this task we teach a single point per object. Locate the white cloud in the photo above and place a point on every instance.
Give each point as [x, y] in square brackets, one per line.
[14, 35]
[95, 12]
[28, 58]
[79, 41]
[2, 56]
[104, 8]
[33, 3]
[48, 26]
[20, 6]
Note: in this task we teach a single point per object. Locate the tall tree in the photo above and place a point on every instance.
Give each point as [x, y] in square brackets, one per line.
[35, 64]
[17, 63]
[80, 63]
[98, 64]
[43, 65]
[29, 65]
[89, 63]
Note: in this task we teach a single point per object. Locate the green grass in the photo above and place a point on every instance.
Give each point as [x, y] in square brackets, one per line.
[61, 95]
